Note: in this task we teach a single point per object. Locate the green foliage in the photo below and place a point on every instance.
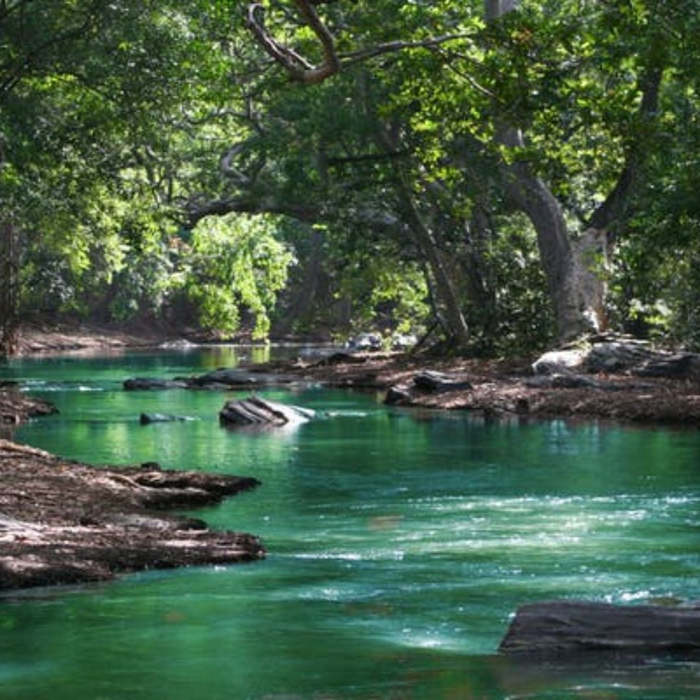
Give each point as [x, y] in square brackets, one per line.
[236, 264]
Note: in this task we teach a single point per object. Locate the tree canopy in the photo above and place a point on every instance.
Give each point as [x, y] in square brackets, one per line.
[504, 173]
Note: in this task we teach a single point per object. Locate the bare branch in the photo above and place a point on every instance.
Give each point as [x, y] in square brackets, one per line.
[348, 59]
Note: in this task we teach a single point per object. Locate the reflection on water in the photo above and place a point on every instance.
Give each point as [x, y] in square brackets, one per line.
[400, 543]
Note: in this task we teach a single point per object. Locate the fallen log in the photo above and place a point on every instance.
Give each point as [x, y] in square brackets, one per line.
[567, 625]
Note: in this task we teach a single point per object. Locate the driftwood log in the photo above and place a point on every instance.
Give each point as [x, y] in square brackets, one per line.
[566, 626]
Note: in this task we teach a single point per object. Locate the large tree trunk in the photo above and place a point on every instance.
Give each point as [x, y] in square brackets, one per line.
[576, 289]
[9, 289]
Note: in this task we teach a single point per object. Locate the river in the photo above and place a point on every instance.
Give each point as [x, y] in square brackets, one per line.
[400, 542]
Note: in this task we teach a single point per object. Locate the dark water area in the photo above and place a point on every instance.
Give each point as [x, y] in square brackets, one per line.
[400, 543]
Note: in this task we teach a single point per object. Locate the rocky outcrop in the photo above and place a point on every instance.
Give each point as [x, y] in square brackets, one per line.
[611, 354]
[221, 379]
[425, 382]
[237, 379]
[259, 412]
[15, 407]
[153, 384]
[65, 522]
[567, 625]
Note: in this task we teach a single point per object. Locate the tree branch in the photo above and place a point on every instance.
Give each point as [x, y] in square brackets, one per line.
[296, 65]
[613, 209]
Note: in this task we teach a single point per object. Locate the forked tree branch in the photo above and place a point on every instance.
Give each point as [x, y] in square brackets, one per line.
[300, 69]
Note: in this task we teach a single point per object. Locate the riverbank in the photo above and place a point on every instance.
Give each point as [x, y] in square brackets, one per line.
[63, 522]
[508, 389]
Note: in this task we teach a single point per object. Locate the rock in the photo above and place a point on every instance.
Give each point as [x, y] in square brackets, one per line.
[149, 384]
[400, 341]
[434, 382]
[567, 625]
[257, 411]
[564, 380]
[146, 418]
[365, 341]
[680, 366]
[397, 395]
[556, 361]
[339, 358]
[607, 354]
[237, 378]
[617, 356]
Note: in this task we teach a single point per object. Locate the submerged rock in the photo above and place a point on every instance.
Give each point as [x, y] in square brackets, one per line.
[257, 411]
[150, 383]
[568, 625]
[229, 378]
[146, 418]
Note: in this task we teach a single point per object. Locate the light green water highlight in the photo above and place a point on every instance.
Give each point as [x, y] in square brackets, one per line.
[399, 544]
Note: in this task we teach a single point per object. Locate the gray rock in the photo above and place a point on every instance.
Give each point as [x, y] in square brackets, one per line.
[397, 395]
[238, 378]
[434, 382]
[365, 341]
[150, 384]
[568, 625]
[257, 411]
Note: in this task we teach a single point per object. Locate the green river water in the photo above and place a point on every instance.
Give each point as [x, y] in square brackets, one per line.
[400, 542]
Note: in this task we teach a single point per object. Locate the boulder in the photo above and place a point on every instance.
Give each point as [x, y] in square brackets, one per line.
[434, 382]
[568, 625]
[257, 411]
[557, 361]
[609, 354]
[149, 383]
[365, 341]
[397, 395]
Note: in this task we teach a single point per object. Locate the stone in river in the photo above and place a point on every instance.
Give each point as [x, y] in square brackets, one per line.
[257, 411]
[570, 625]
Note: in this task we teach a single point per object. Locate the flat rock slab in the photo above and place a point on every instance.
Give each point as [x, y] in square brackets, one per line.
[257, 411]
[566, 626]
[65, 522]
[153, 384]
[238, 378]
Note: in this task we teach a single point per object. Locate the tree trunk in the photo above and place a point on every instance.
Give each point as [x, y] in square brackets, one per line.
[576, 287]
[444, 288]
[9, 290]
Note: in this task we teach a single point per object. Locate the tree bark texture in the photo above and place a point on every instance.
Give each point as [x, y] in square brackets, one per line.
[9, 289]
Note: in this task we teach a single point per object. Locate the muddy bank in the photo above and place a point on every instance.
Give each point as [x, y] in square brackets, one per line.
[507, 388]
[15, 407]
[65, 522]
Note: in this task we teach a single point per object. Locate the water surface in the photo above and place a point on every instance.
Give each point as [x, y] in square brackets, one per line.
[400, 542]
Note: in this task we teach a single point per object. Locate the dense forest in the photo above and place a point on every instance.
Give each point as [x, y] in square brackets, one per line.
[500, 174]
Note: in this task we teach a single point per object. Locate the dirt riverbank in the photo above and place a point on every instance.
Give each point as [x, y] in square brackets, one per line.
[507, 389]
[64, 522]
